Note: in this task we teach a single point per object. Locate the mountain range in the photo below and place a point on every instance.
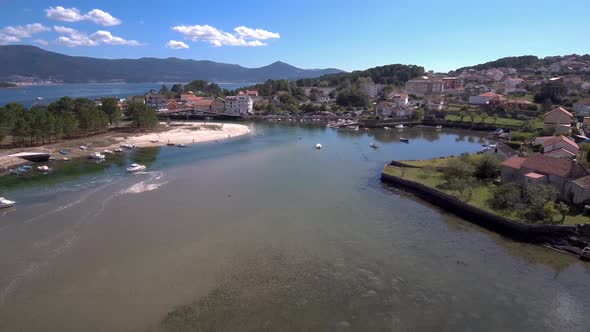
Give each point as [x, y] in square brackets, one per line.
[26, 61]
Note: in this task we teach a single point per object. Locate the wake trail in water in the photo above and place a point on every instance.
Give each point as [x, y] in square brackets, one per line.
[150, 184]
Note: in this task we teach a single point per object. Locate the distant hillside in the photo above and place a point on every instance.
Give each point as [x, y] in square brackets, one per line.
[396, 74]
[31, 61]
[516, 62]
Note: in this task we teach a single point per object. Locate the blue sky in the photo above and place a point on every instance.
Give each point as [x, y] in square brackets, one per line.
[439, 35]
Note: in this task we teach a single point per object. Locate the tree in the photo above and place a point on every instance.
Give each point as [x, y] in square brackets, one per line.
[458, 168]
[488, 167]
[111, 108]
[352, 97]
[143, 116]
[563, 209]
[472, 117]
[495, 117]
[536, 198]
[462, 114]
[69, 124]
[177, 89]
[506, 196]
[164, 90]
[547, 105]
[420, 114]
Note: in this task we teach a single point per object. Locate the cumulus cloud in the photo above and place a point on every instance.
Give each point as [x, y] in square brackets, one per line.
[41, 42]
[14, 34]
[73, 15]
[75, 38]
[243, 37]
[176, 45]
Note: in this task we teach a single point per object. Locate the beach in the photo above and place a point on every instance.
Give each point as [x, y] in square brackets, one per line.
[173, 133]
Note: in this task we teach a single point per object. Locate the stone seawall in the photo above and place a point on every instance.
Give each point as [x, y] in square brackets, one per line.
[552, 234]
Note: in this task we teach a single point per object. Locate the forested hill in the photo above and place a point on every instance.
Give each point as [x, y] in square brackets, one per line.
[396, 74]
[31, 61]
[516, 62]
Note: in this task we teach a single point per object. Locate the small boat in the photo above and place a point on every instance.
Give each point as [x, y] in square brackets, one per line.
[36, 157]
[399, 126]
[498, 131]
[181, 145]
[154, 141]
[5, 203]
[97, 155]
[83, 147]
[439, 127]
[127, 146]
[14, 171]
[108, 152]
[136, 168]
[405, 140]
[27, 167]
[318, 146]
[170, 144]
[387, 128]
[118, 150]
[43, 168]
[585, 254]
[374, 145]
[51, 158]
[64, 152]
[66, 159]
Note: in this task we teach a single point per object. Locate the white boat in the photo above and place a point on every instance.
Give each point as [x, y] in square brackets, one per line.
[97, 155]
[318, 146]
[43, 168]
[181, 145]
[399, 126]
[127, 146]
[374, 145]
[39, 98]
[386, 128]
[35, 157]
[108, 152]
[136, 168]
[66, 159]
[83, 147]
[118, 150]
[439, 127]
[5, 203]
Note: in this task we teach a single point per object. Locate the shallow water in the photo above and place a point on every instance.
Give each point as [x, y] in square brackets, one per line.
[266, 233]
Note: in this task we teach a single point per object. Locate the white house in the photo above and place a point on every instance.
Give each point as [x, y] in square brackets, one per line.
[388, 109]
[513, 85]
[582, 107]
[559, 121]
[238, 105]
[486, 98]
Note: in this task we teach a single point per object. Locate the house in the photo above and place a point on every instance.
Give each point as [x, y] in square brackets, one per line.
[452, 83]
[558, 146]
[372, 90]
[189, 97]
[542, 169]
[582, 107]
[487, 98]
[238, 105]
[521, 104]
[399, 98]
[579, 190]
[475, 89]
[388, 109]
[558, 121]
[494, 74]
[503, 151]
[514, 85]
[172, 104]
[155, 100]
[425, 85]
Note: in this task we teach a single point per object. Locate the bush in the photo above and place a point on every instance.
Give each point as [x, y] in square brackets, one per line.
[514, 145]
[458, 168]
[537, 148]
[506, 196]
[520, 136]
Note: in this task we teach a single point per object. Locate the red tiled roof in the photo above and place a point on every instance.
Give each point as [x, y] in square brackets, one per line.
[205, 102]
[583, 182]
[490, 94]
[549, 165]
[513, 162]
[560, 109]
[556, 139]
[552, 152]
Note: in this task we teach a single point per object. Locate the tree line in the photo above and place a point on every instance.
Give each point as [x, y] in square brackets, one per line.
[67, 118]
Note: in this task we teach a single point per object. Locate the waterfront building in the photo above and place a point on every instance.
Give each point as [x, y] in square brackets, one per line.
[238, 105]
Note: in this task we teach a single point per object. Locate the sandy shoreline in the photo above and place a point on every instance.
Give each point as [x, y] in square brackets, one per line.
[178, 133]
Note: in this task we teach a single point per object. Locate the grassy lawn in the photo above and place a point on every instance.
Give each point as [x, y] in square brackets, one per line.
[482, 191]
[500, 122]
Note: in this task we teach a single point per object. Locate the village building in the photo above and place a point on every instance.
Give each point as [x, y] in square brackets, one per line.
[388, 109]
[558, 121]
[514, 85]
[424, 86]
[238, 105]
[372, 90]
[582, 107]
[155, 100]
[542, 169]
[189, 97]
[488, 98]
[399, 98]
[558, 146]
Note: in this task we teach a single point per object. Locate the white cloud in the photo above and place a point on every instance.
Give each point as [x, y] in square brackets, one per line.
[75, 38]
[244, 36]
[73, 15]
[41, 42]
[248, 33]
[176, 45]
[14, 34]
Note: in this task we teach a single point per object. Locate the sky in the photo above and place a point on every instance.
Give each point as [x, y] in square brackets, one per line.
[349, 35]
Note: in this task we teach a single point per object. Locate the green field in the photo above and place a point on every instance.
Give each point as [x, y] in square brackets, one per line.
[489, 120]
[481, 190]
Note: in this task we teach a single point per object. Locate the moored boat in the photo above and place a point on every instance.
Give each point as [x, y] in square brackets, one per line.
[36, 157]
[374, 145]
[387, 128]
[108, 152]
[439, 127]
[136, 168]
[43, 168]
[181, 145]
[399, 126]
[405, 140]
[118, 150]
[97, 155]
[64, 152]
[83, 147]
[5, 203]
[127, 146]
[318, 146]
[585, 254]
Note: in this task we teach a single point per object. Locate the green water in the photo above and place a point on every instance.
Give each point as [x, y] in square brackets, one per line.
[267, 233]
